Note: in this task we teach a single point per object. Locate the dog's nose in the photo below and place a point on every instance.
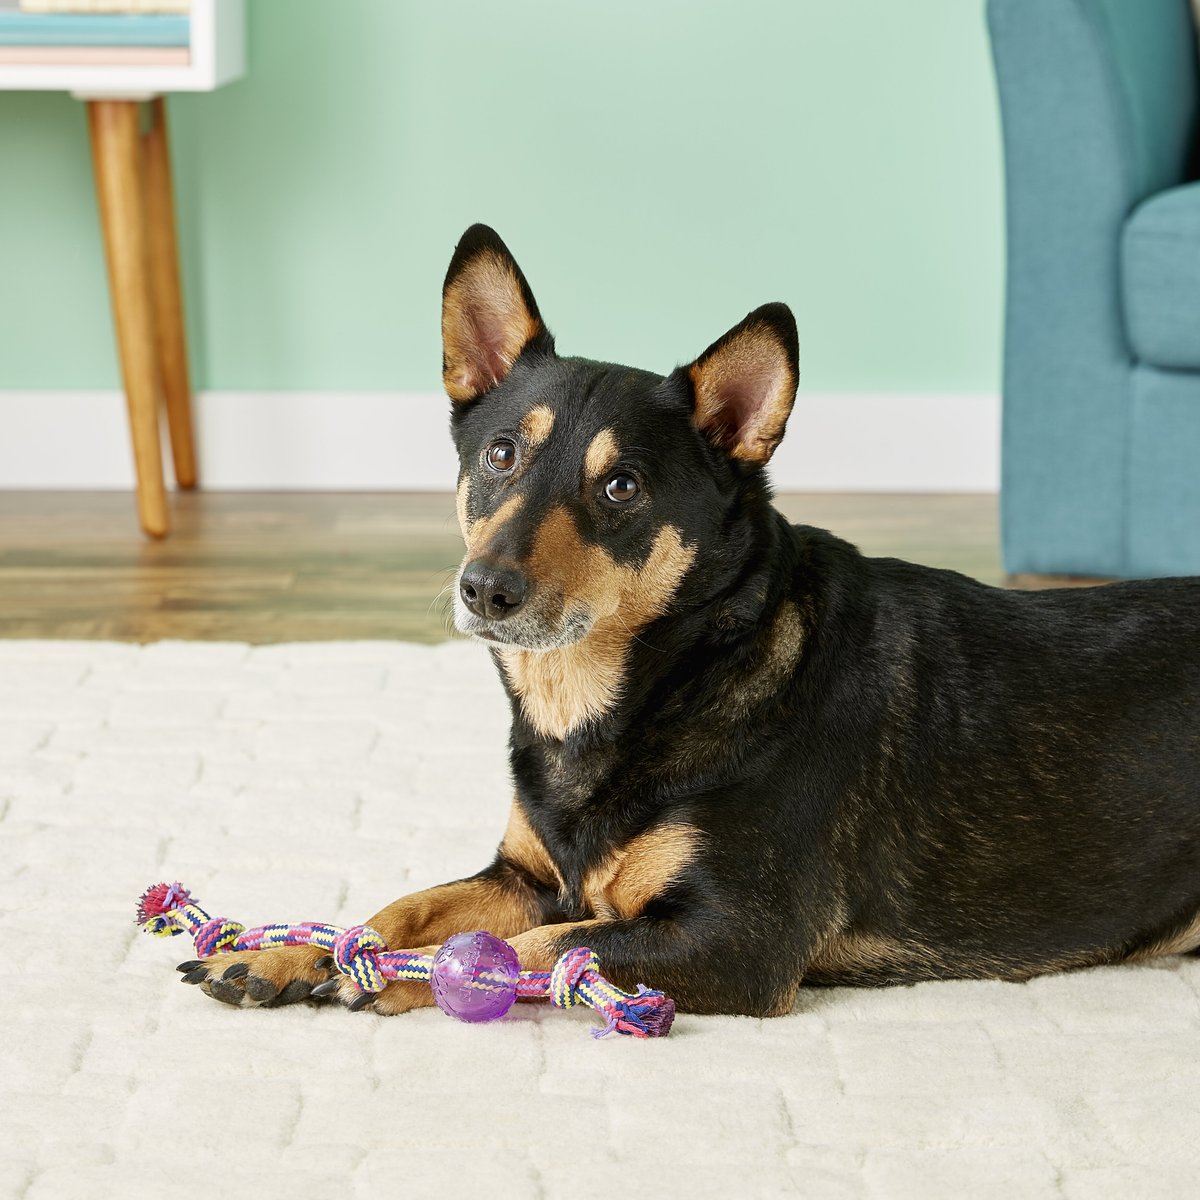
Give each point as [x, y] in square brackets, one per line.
[490, 590]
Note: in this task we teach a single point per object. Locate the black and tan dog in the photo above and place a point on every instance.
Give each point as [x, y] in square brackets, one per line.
[746, 757]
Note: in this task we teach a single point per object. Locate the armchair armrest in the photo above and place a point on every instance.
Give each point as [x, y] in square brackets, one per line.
[1099, 101]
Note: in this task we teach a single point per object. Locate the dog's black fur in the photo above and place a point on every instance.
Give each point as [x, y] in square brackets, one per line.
[949, 780]
[747, 757]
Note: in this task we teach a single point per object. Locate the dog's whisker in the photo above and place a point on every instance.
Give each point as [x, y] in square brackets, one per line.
[444, 606]
[634, 637]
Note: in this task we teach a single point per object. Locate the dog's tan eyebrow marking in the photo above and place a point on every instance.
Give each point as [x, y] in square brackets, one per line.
[536, 425]
[485, 529]
[601, 454]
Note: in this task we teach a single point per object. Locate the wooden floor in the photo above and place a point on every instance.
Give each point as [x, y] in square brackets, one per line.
[271, 567]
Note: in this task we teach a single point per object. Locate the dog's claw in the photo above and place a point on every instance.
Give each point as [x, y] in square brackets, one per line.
[325, 989]
[196, 975]
[324, 963]
[237, 971]
[190, 965]
[360, 1002]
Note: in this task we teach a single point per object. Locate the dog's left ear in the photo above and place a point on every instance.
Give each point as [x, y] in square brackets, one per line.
[489, 315]
[744, 384]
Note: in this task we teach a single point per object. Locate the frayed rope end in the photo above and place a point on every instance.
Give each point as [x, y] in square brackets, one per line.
[646, 1015]
[159, 899]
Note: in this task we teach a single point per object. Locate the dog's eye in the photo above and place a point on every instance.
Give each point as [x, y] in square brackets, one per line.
[501, 455]
[621, 488]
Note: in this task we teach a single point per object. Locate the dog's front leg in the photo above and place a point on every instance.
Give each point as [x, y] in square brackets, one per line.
[695, 959]
[517, 892]
[504, 899]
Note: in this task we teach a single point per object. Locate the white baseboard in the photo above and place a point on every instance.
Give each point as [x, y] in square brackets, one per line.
[385, 441]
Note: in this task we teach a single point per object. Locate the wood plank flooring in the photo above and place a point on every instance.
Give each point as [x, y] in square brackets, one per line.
[273, 567]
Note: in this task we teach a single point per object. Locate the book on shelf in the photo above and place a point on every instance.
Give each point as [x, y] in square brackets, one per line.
[118, 39]
[94, 56]
[106, 6]
[19, 28]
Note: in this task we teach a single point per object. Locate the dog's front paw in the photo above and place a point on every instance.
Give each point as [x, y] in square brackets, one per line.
[260, 978]
[399, 996]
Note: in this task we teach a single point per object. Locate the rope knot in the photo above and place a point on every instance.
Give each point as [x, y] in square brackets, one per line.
[356, 953]
[216, 934]
[568, 973]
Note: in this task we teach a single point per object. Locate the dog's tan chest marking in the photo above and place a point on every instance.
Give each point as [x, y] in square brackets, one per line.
[625, 881]
[629, 878]
[523, 847]
[562, 689]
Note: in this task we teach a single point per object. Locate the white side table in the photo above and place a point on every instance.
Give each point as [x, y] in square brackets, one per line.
[137, 215]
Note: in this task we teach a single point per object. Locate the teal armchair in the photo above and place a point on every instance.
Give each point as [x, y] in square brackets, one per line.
[1101, 426]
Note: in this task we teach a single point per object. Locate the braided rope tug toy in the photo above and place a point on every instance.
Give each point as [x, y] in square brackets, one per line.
[474, 976]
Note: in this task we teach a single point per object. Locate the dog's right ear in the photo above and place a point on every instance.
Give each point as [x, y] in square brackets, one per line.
[489, 316]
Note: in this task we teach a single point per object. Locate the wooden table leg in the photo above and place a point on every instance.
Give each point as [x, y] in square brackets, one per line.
[166, 292]
[116, 160]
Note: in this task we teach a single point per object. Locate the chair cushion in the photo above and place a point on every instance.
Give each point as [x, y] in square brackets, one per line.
[1160, 260]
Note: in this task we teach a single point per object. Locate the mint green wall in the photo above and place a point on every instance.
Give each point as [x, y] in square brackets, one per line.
[658, 167]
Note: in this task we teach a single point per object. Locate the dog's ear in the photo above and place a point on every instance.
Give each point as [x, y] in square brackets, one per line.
[744, 384]
[489, 315]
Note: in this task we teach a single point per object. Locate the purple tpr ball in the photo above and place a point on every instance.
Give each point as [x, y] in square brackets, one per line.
[475, 976]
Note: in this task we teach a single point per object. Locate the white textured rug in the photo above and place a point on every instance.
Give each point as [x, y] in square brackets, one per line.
[321, 781]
